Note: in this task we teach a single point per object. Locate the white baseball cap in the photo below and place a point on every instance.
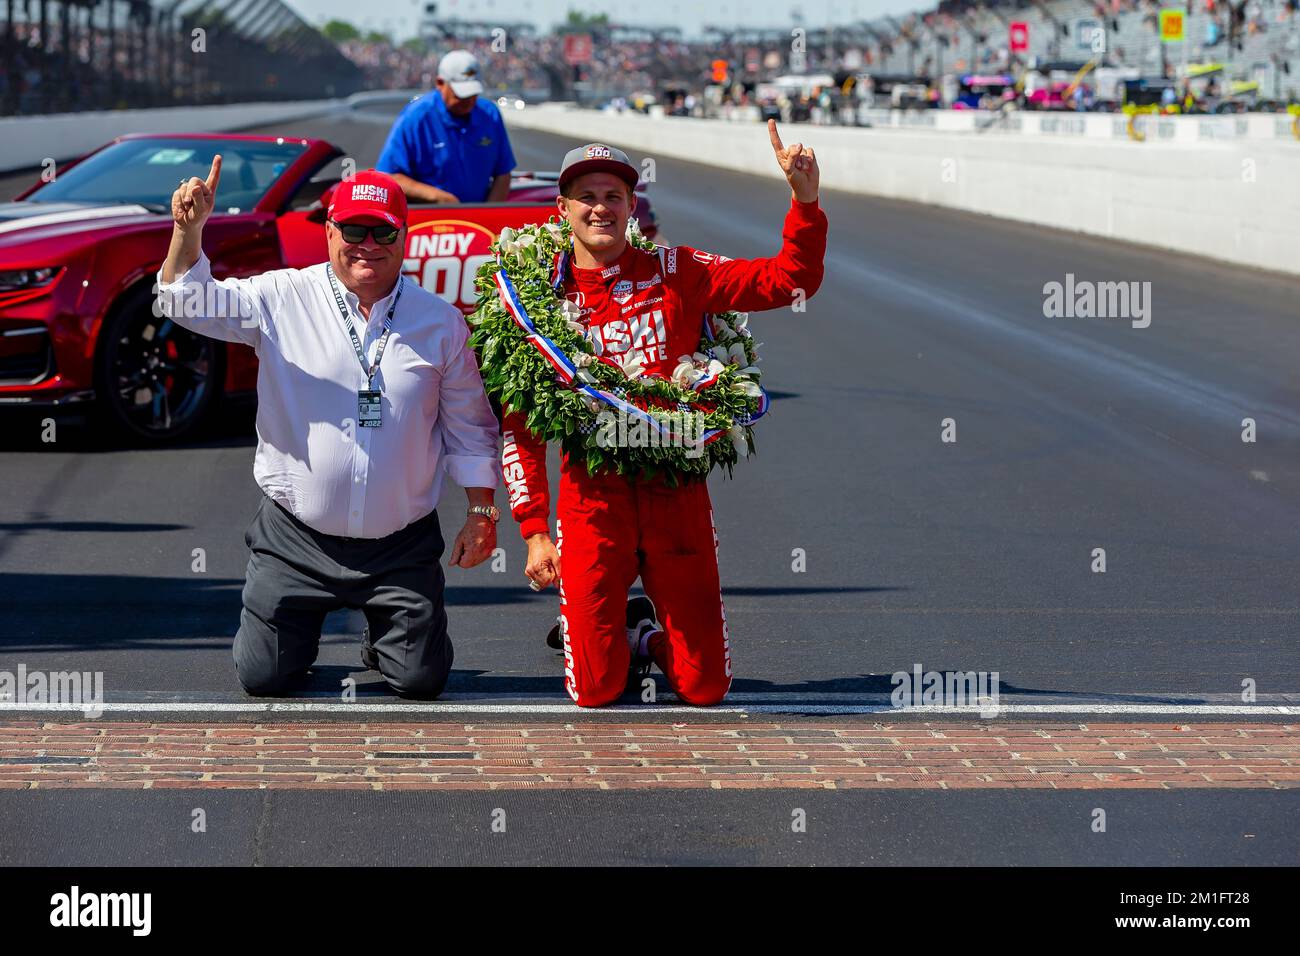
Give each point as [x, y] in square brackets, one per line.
[460, 69]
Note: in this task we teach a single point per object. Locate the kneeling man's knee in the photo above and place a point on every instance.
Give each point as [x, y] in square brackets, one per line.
[258, 679]
[420, 683]
[704, 692]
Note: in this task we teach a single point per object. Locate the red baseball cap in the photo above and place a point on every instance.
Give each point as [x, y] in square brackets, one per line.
[371, 194]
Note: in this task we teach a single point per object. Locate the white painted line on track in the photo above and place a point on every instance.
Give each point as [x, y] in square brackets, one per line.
[322, 707]
[791, 707]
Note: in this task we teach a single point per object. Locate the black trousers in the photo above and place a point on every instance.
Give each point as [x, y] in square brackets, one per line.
[297, 575]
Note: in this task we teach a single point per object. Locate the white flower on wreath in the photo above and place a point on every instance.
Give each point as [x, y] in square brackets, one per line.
[741, 323]
[632, 364]
[555, 232]
[569, 309]
[737, 435]
[685, 375]
[633, 229]
[583, 359]
[585, 377]
[507, 235]
[736, 355]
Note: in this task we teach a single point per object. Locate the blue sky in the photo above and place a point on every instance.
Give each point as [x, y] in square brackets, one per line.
[400, 17]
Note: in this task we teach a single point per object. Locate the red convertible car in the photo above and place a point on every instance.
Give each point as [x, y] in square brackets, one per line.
[78, 257]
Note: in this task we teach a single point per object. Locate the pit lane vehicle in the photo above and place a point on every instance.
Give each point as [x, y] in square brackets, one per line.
[984, 91]
[1049, 97]
[1145, 91]
[78, 257]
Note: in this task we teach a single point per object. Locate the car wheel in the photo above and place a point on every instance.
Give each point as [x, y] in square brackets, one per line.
[155, 380]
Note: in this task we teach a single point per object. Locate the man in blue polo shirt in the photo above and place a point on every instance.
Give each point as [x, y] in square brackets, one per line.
[449, 146]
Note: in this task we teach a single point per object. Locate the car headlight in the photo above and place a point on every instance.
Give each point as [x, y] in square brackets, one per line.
[16, 279]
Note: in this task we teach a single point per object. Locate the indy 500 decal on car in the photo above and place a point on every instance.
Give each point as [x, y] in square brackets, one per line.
[444, 257]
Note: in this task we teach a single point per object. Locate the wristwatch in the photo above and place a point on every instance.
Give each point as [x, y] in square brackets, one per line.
[487, 511]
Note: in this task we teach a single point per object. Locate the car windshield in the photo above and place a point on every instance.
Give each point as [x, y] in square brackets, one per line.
[147, 171]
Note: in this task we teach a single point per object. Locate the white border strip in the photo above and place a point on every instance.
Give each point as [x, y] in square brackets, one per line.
[442, 707]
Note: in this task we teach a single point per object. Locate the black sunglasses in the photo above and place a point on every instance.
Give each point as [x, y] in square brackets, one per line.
[355, 233]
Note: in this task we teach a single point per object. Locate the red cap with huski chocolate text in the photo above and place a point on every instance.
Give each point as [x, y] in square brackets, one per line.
[369, 194]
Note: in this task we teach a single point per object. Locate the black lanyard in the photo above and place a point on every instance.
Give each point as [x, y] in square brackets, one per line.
[368, 370]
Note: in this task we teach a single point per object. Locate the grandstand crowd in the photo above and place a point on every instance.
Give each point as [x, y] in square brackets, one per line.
[1247, 52]
[95, 54]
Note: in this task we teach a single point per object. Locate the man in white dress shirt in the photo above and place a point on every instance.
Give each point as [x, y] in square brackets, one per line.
[367, 393]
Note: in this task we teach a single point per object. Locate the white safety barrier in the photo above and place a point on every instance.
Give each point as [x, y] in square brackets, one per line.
[1071, 125]
[1233, 199]
[28, 141]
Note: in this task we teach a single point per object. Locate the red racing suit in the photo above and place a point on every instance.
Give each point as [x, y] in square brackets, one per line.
[611, 528]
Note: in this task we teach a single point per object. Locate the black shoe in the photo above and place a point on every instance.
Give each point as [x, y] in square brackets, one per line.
[369, 659]
[553, 639]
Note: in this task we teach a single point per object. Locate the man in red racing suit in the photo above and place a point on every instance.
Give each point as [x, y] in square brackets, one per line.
[611, 528]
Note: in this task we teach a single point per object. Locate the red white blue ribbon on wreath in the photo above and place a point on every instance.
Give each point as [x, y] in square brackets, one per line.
[567, 372]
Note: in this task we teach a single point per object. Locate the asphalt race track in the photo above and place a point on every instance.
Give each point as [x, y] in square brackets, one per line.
[1072, 434]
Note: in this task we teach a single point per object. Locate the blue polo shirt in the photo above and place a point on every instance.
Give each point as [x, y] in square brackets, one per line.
[462, 156]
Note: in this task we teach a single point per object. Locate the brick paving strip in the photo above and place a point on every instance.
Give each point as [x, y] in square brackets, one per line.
[820, 754]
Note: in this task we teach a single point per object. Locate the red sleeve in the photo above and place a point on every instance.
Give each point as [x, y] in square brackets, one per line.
[718, 284]
[523, 466]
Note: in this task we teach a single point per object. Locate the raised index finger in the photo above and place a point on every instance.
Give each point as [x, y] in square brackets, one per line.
[774, 135]
[214, 175]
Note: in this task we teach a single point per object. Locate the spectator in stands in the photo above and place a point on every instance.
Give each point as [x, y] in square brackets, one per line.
[449, 146]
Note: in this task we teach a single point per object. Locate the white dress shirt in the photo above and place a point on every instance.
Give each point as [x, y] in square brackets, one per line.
[312, 456]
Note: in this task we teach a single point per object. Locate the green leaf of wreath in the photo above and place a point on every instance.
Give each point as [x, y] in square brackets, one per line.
[519, 377]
